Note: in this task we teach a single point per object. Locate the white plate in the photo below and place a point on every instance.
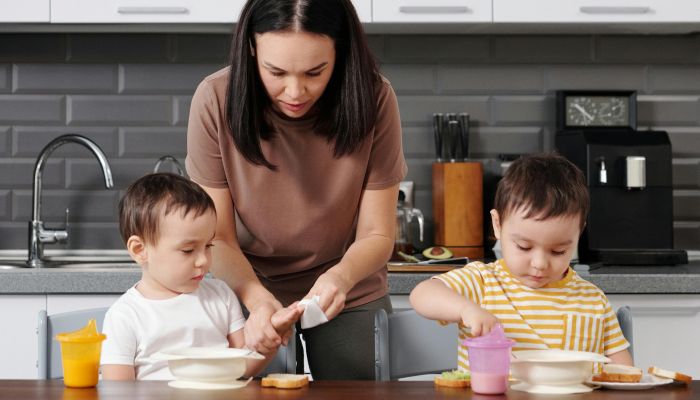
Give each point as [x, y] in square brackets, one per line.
[208, 385]
[551, 389]
[647, 382]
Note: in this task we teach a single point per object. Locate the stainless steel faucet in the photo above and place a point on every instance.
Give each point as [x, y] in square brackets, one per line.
[173, 160]
[37, 234]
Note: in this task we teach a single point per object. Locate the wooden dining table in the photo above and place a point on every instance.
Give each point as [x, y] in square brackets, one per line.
[319, 390]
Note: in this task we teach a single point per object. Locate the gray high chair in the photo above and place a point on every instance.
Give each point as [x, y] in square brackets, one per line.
[624, 317]
[406, 344]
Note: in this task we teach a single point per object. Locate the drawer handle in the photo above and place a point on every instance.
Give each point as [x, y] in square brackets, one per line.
[614, 10]
[667, 311]
[153, 10]
[434, 10]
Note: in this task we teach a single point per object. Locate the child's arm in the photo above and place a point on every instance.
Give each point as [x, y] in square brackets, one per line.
[434, 300]
[622, 357]
[115, 372]
[282, 321]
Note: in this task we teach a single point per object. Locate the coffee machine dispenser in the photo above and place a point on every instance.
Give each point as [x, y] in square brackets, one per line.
[629, 178]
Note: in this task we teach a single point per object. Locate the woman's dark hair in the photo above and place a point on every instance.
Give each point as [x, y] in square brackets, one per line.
[154, 196]
[347, 108]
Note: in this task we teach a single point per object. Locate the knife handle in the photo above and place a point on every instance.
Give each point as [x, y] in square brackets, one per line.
[464, 133]
[438, 122]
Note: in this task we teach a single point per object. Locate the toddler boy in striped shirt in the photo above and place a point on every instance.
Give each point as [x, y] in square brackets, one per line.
[539, 213]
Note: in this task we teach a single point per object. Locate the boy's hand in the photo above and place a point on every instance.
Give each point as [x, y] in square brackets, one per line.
[283, 320]
[478, 320]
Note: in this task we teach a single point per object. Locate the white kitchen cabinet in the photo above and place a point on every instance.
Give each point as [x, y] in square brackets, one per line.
[364, 9]
[60, 303]
[145, 11]
[18, 340]
[24, 11]
[665, 330]
[593, 11]
[407, 11]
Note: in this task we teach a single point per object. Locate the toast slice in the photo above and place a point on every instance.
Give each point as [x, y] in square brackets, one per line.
[453, 379]
[285, 381]
[676, 376]
[619, 373]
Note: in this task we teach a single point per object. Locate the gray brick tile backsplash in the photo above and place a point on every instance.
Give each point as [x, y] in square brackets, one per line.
[32, 109]
[148, 141]
[492, 79]
[131, 94]
[668, 110]
[595, 77]
[28, 141]
[418, 110]
[522, 110]
[674, 79]
[119, 110]
[5, 85]
[430, 49]
[17, 173]
[410, 79]
[159, 78]
[641, 49]
[537, 49]
[64, 78]
[84, 205]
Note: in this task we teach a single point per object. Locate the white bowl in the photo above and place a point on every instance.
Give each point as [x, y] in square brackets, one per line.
[554, 367]
[207, 364]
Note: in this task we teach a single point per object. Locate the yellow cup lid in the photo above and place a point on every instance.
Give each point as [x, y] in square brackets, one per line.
[86, 334]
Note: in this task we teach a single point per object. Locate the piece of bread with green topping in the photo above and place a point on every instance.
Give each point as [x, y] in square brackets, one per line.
[454, 379]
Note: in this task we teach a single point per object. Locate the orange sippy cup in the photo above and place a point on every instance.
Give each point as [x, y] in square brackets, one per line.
[80, 353]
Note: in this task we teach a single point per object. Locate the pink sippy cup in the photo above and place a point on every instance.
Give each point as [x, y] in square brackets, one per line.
[489, 361]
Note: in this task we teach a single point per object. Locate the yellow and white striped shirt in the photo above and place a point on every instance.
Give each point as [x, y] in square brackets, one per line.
[570, 314]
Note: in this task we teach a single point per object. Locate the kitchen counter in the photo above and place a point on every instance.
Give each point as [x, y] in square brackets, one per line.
[681, 279]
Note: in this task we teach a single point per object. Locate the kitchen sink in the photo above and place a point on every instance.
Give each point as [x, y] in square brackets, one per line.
[69, 259]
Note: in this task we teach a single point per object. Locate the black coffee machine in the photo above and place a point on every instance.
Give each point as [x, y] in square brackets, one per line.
[629, 178]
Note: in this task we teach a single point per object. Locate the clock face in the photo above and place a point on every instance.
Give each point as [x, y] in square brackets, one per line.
[592, 111]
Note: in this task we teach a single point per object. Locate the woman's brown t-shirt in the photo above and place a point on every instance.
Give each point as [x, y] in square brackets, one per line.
[296, 222]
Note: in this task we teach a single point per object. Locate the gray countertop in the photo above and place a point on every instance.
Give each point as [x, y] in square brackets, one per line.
[681, 279]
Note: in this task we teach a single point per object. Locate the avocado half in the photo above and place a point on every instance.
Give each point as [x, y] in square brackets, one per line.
[437, 253]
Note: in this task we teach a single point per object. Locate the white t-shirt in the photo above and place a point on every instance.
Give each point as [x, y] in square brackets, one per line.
[137, 327]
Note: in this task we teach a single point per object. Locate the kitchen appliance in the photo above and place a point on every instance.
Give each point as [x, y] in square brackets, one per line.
[629, 178]
[457, 188]
[403, 241]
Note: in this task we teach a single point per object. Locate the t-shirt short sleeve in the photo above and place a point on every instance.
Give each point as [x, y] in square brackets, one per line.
[120, 346]
[236, 320]
[204, 160]
[467, 281]
[613, 339]
[387, 165]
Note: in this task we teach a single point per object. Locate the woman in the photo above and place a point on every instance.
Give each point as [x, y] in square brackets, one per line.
[299, 145]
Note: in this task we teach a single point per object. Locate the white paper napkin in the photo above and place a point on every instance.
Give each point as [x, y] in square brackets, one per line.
[313, 315]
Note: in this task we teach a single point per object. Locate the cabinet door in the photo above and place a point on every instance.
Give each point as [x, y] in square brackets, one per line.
[24, 11]
[142, 11]
[18, 341]
[665, 330]
[364, 9]
[572, 11]
[431, 11]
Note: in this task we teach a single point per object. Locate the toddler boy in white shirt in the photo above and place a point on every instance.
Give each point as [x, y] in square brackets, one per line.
[168, 225]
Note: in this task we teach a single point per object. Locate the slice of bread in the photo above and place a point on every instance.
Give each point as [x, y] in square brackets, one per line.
[619, 373]
[676, 376]
[454, 379]
[285, 381]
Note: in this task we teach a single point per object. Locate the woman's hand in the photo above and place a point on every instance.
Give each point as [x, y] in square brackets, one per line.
[260, 334]
[478, 320]
[332, 290]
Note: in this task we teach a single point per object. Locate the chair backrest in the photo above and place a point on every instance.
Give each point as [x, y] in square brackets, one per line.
[624, 317]
[406, 344]
[49, 363]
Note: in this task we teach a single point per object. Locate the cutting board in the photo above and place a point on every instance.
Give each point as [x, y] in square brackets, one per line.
[405, 267]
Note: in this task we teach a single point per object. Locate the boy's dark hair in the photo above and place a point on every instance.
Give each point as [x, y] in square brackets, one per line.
[348, 106]
[543, 186]
[154, 196]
